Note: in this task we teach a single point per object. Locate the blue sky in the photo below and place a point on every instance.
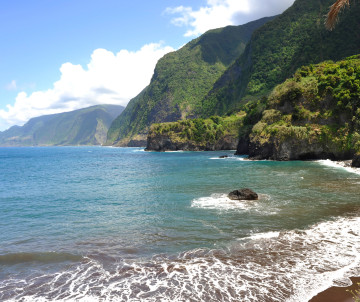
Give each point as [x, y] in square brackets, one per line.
[61, 55]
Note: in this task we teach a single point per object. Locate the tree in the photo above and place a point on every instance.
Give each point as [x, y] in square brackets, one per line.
[332, 15]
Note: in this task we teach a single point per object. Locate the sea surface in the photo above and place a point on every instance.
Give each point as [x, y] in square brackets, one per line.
[122, 224]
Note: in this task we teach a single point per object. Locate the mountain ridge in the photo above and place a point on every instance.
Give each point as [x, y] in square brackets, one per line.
[295, 38]
[180, 80]
[87, 126]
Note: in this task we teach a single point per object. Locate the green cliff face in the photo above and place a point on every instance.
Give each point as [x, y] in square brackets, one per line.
[181, 80]
[315, 114]
[276, 50]
[87, 126]
[215, 133]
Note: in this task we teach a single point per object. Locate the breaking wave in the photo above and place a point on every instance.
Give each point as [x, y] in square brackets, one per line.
[275, 266]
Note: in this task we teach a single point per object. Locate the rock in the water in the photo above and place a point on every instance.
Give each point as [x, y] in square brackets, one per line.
[243, 194]
[223, 156]
[356, 161]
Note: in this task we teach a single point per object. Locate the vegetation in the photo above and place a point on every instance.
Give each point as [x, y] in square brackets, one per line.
[200, 132]
[297, 37]
[181, 80]
[334, 11]
[317, 108]
[87, 126]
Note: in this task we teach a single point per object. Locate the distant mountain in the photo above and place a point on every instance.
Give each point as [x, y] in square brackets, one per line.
[181, 80]
[86, 126]
[296, 38]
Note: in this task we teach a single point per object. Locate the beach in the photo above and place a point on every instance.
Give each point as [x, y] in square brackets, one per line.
[338, 294]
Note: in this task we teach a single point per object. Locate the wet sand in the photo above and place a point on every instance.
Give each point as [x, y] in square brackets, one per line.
[338, 294]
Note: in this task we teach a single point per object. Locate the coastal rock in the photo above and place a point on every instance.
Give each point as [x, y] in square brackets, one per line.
[172, 141]
[293, 148]
[356, 161]
[243, 145]
[243, 194]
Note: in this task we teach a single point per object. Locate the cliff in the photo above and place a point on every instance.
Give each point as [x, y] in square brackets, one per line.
[215, 133]
[180, 81]
[314, 115]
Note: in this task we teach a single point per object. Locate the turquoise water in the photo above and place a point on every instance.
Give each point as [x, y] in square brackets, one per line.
[82, 223]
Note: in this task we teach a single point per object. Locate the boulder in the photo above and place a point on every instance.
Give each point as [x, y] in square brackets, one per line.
[243, 194]
[356, 161]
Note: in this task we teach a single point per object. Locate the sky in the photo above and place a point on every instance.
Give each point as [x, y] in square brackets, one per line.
[62, 55]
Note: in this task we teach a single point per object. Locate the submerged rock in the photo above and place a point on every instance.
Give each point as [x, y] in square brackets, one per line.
[223, 156]
[243, 194]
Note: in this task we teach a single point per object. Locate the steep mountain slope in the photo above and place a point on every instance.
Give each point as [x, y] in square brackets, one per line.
[181, 80]
[297, 37]
[87, 126]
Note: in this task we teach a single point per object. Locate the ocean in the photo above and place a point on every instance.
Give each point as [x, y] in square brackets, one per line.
[122, 224]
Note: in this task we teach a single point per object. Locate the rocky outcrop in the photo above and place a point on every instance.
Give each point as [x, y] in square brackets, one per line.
[356, 161]
[163, 142]
[243, 145]
[243, 194]
[292, 148]
[215, 133]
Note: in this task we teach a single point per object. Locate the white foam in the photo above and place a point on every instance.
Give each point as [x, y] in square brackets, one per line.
[275, 266]
[260, 236]
[339, 165]
[221, 202]
[230, 158]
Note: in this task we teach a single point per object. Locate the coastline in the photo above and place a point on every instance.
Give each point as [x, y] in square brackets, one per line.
[338, 294]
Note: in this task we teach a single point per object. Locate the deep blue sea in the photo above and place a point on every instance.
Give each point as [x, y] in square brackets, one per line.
[122, 224]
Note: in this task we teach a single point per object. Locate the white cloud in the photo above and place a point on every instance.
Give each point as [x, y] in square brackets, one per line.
[220, 13]
[108, 79]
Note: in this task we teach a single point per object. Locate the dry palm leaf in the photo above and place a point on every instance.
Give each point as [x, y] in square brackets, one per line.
[332, 15]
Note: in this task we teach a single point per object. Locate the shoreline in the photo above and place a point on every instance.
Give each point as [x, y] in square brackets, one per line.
[338, 294]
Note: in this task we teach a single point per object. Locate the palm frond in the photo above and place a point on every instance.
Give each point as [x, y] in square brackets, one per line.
[332, 15]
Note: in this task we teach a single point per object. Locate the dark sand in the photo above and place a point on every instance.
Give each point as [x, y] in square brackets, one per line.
[338, 294]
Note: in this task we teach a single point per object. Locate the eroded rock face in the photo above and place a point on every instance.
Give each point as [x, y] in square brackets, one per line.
[356, 161]
[296, 149]
[243, 194]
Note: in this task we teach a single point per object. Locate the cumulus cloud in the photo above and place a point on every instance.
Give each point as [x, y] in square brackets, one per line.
[219, 13]
[110, 78]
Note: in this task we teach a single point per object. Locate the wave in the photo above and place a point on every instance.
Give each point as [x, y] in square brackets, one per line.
[231, 158]
[339, 165]
[222, 202]
[276, 266]
[45, 257]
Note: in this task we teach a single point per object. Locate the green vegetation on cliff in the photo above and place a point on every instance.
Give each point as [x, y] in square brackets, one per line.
[276, 50]
[315, 114]
[181, 80]
[86, 126]
[214, 133]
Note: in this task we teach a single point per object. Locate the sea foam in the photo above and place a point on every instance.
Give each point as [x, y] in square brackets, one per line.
[276, 266]
[339, 165]
[218, 201]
